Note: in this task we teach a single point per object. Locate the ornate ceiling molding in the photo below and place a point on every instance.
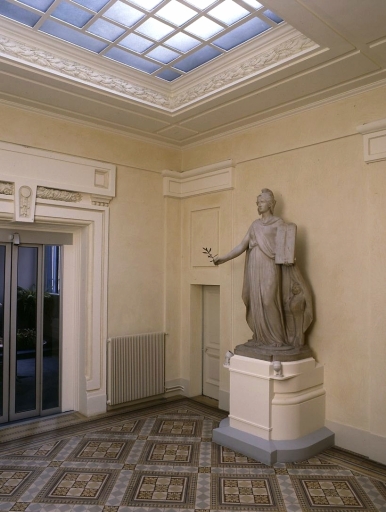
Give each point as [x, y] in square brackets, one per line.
[49, 62]
[246, 69]
[291, 47]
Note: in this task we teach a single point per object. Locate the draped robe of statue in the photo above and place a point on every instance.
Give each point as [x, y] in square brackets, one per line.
[267, 288]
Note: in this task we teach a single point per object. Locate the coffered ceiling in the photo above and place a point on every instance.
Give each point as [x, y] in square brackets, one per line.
[323, 48]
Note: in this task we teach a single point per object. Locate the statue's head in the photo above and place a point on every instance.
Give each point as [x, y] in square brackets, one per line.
[267, 195]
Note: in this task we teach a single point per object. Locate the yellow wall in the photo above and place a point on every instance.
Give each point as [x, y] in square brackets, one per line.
[313, 161]
[136, 291]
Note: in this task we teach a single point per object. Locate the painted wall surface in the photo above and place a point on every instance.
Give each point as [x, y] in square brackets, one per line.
[313, 162]
[136, 291]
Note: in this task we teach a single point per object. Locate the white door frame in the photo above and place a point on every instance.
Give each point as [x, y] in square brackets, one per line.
[78, 206]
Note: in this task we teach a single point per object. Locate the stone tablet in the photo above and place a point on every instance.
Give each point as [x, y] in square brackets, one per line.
[285, 244]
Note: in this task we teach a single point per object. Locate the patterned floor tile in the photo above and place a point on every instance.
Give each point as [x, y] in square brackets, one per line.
[319, 493]
[125, 427]
[233, 492]
[101, 450]
[172, 426]
[73, 486]
[164, 453]
[161, 490]
[162, 458]
[41, 451]
[222, 456]
[14, 480]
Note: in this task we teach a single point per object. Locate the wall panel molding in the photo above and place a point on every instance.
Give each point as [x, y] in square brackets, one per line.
[202, 180]
[374, 140]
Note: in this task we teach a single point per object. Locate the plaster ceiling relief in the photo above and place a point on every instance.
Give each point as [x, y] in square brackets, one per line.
[114, 63]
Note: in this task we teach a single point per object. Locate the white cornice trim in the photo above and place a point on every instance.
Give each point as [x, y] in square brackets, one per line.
[94, 125]
[289, 113]
[202, 180]
[374, 126]
[374, 140]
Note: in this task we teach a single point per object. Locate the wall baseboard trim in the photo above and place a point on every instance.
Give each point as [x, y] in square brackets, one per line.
[359, 441]
[177, 386]
[223, 400]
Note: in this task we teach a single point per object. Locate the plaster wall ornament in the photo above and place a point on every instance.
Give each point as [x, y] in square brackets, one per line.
[6, 188]
[261, 61]
[48, 61]
[45, 60]
[25, 196]
[58, 195]
[98, 200]
[277, 298]
[24, 201]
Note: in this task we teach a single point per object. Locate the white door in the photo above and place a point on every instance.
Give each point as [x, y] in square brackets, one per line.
[211, 341]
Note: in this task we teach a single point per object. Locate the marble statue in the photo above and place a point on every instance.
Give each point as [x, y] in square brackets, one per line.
[277, 299]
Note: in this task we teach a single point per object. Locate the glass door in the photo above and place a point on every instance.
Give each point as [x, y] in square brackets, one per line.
[30, 330]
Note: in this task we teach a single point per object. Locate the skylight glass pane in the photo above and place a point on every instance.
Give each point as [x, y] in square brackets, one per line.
[72, 14]
[163, 54]
[95, 5]
[72, 36]
[146, 4]
[132, 60]
[136, 43]
[124, 14]
[176, 13]
[229, 12]
[154, 29]
[204, 28]
[253, 3]
[201, 4]
[241, 34]
[272, 16]
[182, 42]
[105, 29]
[168, 74]
[14, 12]
[197, 58]
[42, 5]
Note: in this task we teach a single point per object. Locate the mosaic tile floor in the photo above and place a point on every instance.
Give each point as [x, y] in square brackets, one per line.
[162, 458]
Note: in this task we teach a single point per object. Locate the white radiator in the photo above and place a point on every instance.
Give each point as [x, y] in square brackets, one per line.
[135, 367]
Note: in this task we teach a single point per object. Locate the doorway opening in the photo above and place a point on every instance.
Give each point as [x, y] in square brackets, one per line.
[211, 341]
[30, 329]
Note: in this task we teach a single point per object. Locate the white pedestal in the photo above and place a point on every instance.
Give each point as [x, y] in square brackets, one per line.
[275, 417]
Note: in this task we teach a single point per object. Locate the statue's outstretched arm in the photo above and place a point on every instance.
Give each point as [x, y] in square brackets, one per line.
[239, 249]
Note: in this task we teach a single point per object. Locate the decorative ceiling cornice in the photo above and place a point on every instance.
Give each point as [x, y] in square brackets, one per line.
[278, 52]
[50, 62]
[246, 69]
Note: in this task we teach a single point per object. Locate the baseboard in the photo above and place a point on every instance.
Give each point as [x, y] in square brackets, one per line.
[95, 405]
[223, 400]
[174, 386]
[359, 441]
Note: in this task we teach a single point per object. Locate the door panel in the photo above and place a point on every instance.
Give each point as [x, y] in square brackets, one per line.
[5, 287]
[30, 330]
[211, 341]
[26, 331]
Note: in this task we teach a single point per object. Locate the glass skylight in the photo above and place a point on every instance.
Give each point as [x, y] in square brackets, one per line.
[176, 13]
[204, 28]
[228, 12]
[163, 38]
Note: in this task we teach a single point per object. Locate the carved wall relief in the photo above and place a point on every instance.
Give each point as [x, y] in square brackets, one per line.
[58, 195]
[25, 198]
[6, 188]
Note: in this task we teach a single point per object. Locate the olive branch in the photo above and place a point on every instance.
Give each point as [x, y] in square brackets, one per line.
[209, 254]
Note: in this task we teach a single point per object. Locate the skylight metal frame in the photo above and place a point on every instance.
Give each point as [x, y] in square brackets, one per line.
[159, 67]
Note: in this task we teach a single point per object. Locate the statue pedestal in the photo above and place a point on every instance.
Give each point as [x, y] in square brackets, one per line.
[275, 418]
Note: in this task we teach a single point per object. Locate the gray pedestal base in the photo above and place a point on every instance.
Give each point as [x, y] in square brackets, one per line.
[270, 452]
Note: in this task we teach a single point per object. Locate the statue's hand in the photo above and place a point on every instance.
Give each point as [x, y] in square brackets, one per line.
[217, 260]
